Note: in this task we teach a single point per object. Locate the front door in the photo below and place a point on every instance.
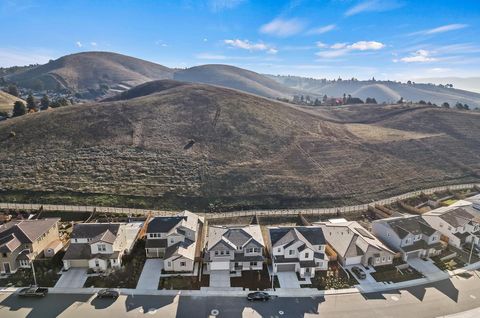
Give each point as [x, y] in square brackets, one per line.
[6, 267]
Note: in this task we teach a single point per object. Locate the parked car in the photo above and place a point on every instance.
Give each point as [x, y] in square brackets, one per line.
[108, 293]
[262, 296]
[33, 291]
[359, 272]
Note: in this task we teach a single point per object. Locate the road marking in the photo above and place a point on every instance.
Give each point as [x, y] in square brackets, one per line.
[214, 312]
[473, 297]
[394, 298]
[280, 312]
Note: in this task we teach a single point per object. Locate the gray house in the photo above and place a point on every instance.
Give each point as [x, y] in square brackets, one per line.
[234, 248]
[410, 235]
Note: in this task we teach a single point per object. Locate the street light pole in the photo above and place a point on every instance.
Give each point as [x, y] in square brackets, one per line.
[471, 249]
[33, 271]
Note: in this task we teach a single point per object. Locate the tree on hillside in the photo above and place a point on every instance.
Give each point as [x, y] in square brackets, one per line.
[445, 105]
[44, 102]
[19, 109]
[422, 102]
[325, 98]
[13, 90]
[354, 100]
[466, 107]
[401, 101]
[370, 100]
[31, 104]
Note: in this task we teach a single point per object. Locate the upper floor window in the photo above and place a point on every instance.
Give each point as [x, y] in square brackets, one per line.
[306, 255]
[290, 252]
[216, 253]
[102, 247]
[279, 249]
[183, 264]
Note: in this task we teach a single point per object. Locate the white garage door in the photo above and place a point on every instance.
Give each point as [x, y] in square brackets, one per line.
[219, 266]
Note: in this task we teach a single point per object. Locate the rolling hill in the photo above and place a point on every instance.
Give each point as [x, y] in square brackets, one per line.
[236, 78]
[6, 101]
[382, 91]
[90, 70]
[195, 146]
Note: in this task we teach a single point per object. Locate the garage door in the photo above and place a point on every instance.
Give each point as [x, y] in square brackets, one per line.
[219, 266]
[285, 267]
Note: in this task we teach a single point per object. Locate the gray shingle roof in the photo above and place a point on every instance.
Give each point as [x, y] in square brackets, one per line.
[163, 224]
[414, 225]
[27, 231]
[93, 230]
[285, 235]
[457, 217]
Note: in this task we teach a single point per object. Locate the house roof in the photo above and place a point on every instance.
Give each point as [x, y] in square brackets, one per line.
[350, 239]
[309, 235]
[405, 225]
[163, 224]
[27, 231]
[234, 236]
[94, 231]
[182, 249]
[9, 243]
[78, 251]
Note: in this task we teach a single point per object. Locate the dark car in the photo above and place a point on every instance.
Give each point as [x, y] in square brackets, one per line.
[359, 272]
[108, 293]
[262, 296]
[33, 292]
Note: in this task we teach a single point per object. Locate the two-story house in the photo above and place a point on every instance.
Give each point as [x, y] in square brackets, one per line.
[458, 222]
[100, 246]
[174, 239]
[410, 235]
[298, 249]
[23, 241]
[234, 249]
[355, 245]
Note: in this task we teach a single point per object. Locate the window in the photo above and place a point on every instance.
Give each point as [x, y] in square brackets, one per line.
[253, 263]
[169, 264]
[4, 254]
[183, 264]
[434, 238]
[216, 253]
[256, 249]
[377, 260]
[227, 252]
[279, 249]
[388, 234]
[383, 259]
[306, 255]
[97, 263]
[222, 252]
[290, 252]
[172, 240]
[102, 247]
[389, 258]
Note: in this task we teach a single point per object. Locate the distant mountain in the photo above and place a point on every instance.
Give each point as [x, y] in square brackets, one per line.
[184, 145]
[91, 70]
[467, 83]
[382, 91]
[6, 101]
[236, 78]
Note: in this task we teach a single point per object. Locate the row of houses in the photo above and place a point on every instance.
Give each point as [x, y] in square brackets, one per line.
[183, 244]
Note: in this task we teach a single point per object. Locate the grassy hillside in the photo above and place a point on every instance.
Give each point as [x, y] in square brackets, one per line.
[202, 147]
[6, 101]
[90, 70]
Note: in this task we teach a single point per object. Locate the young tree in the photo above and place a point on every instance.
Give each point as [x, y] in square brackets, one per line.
[44, 102]
[19, 109]
[31, 105]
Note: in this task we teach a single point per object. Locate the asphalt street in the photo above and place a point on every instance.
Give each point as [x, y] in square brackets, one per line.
[434, 300]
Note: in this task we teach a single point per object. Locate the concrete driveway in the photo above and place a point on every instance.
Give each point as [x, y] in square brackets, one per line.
[219, 278]
[288, 280]
[426, 267]
[73, 278]
[151, 272]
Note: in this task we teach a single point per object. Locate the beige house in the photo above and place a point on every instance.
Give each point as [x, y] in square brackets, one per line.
[23, 241]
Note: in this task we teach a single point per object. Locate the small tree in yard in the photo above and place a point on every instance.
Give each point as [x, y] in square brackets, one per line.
[446, 105]
[19, 109]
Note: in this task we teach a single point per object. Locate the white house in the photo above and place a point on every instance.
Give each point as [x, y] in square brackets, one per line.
[298, 249]
[234, 248]
[459, 222]
[175, 240]
[354, 244]
[410, 235]
[100, 246]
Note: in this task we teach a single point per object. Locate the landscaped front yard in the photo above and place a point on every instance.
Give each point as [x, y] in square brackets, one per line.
[128, 275]
[255, 280]
[334, 278]
[46, 272]
[183, 282]
[389, 273]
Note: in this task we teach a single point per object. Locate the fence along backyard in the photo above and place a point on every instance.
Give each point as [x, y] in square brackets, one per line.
[219, 215]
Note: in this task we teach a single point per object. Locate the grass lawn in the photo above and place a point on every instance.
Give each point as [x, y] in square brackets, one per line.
[46, 271]
[389, 273]
[449, 201]
[334, 278]
[254, 280]
[128, 275]
[183, 282]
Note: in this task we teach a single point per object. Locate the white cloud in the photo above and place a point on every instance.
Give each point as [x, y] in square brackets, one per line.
[220, 5]
[442, 29]
[209, 56]
[15, 56]
[93, 44]
[281, 27]
[322, 30]
[247, 45]
[340, 49]
[321, 44]
[78, 44]
[420, 56]
[373, 6]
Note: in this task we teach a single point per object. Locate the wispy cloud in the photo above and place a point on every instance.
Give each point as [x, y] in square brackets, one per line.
[420, 56]
[250, 46]
[441, 29]
[373, 6]
[209, 56]
[283, 27]
[78, 44]
[220, 5]
[94, 44]
[16, 56]
[340, 49]
[322, 29]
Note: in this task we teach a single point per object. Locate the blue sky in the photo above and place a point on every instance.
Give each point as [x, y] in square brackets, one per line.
[387, 39]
